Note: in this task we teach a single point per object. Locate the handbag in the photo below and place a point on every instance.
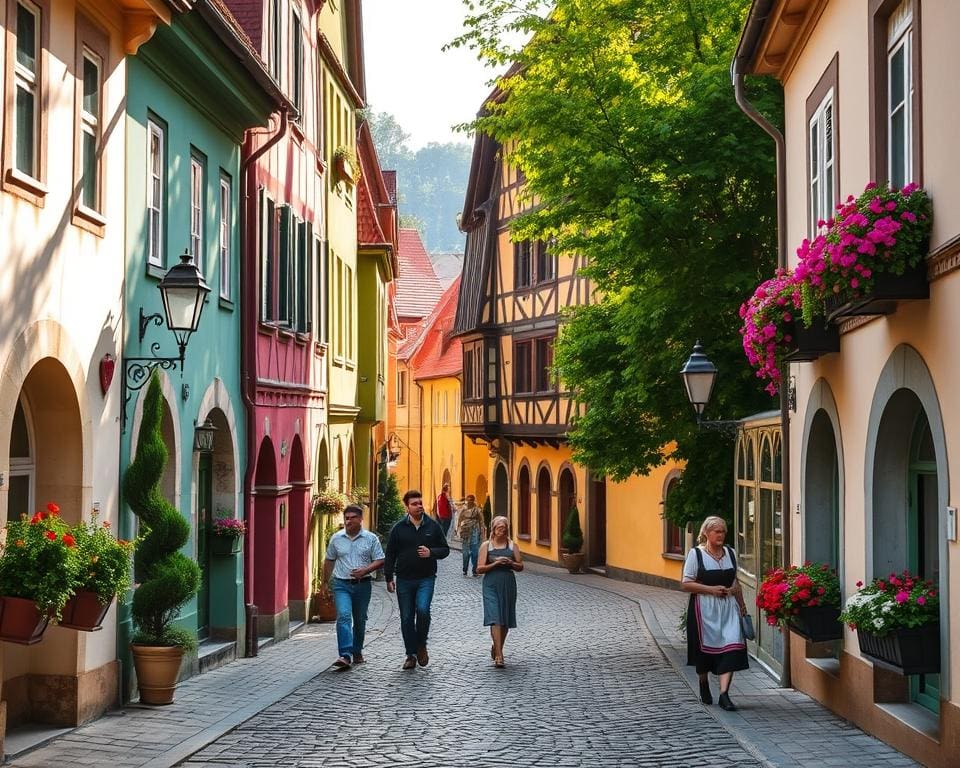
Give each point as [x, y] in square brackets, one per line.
[746, 624]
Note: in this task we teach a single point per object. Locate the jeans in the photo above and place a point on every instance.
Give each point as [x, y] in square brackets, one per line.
[471, 549]
[351, 600]
[413, 598]
[445, 523]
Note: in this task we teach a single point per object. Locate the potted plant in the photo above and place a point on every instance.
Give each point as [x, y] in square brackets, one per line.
[226, 534]
[345, 164]
[897, 620]
[39, 568]
[323, 607]
[871, 254]
[166, 577]
[777, 329]
[572, 540]
[806, 597]
[104, 575]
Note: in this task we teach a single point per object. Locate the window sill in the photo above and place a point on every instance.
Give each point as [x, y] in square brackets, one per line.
[543, 542]
[89, 220]
[25, 186]
[672, 556]
[523, 536]
[155, 271]
[321, 166]
[226, 304]
[296, 130]
[338, 361]
[350, 365]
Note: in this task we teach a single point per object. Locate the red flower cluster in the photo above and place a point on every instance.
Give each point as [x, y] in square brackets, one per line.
[784, 591]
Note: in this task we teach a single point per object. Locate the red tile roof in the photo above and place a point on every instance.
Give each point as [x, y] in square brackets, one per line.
[418, 288]
[439, 354]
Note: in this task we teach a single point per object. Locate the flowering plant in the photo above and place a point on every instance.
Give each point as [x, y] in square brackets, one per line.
[229, 527]
[329, 502]
[105, 560]
[40, 560]
[784, 591]
[883, 230]
[768, 318]
[899, 601]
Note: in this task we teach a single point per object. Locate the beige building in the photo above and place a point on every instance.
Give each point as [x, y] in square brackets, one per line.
[870, 95]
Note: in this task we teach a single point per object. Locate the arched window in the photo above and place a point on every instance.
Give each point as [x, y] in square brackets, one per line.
[523, 500]
[543, 506]
[746, 513]
[672, 533]
[22, 467]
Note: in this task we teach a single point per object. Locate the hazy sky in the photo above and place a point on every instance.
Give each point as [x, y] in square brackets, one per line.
[408, 75]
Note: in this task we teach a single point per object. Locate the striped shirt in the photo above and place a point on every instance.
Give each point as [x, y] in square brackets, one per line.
[358, 552]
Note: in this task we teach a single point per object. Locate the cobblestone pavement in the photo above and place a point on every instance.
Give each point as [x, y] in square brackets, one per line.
[585, 685]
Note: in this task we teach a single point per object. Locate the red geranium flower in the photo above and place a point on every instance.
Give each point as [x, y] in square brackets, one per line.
[50, 535]
[69, 540]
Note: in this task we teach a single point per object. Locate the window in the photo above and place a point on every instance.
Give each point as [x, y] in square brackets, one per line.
[672, 533]
[320, 260]
[27, 96]
[900, 95]
[275, 52]
[301, 319]
[821, 162]
[401, 387]
[348, 319]
[523, 367]
[469, 376]
[155, 193]
[546, 263]
[544, 362]
[226, 217]
[21, 491]
[746, 512]
[90, 128]
[268, 241]
[543, 507]
[285, 234]
[196, 211]
[522, 264]
[296, 35]
[533, 361]
[523, 502]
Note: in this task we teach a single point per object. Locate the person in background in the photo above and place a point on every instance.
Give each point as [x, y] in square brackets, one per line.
[714, 636]
[353, 555]
[415, 544]
[444, 508]
[499, 558]
[470, 529]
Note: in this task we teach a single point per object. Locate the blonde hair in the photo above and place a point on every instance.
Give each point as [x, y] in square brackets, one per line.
[496, 521]
[711, 522]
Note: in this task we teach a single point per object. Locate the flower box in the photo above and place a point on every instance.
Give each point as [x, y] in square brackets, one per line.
[21, 621]
[85, 612]
[913, 651]
[818, 624]
[882, 299]
[225, 545]
[808, 344]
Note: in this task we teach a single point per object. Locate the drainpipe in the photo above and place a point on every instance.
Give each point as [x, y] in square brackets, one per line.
[249, 307]
[786, 517]
[419, 387]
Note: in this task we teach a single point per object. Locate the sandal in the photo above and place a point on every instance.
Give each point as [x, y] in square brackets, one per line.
[498, 662]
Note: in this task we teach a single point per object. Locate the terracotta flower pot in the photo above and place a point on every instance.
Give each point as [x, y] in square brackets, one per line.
[324, 609]
[85, 612]
[158, 669]
[21, 621]
[573, 561]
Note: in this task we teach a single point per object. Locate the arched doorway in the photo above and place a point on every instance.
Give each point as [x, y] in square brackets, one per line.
[523, 502]
[821, 494]
[269, 592]
[566, 499]
[297, 525]
[544, 507]
[597, 526]
[501, 492]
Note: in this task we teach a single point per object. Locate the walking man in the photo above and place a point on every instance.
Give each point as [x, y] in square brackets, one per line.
[415, 544]
[470, 529]
[444, 508]
[353, 555]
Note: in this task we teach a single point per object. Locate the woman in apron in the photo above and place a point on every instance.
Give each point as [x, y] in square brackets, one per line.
[714, 636]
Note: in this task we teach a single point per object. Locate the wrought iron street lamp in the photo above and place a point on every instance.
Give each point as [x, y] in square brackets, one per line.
[699, 375]
[183, 292]
[203, 436]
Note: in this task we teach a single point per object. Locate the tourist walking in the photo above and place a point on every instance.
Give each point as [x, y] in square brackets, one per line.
[415, 544]
[443, 507]
[715, 640]
[499, 558]
[470, 529]
[353, 555]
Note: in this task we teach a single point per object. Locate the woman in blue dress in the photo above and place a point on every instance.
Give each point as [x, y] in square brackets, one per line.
[499, 558]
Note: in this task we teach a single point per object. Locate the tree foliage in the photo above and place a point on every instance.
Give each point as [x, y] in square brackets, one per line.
[622, 117]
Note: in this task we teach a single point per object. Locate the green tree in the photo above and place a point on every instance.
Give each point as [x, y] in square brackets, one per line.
[621, 115]
[389, 504]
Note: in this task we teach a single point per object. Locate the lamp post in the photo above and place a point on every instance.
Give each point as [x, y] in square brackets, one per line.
[699, 375]
[203, 436]
[183, 291]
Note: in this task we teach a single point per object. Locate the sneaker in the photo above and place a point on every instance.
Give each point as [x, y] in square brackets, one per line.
[358, 658]
[465, 573]
[422, 656]
[342, 663]
[410, 662]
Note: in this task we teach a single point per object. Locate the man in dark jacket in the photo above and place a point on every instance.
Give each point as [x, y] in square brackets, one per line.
[415, 544]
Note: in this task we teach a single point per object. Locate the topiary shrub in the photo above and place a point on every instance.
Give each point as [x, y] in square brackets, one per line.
[166, 576]
[572, 534]
[389, 505]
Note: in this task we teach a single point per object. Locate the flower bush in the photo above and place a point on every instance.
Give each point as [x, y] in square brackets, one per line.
[897, 602]
[768, 317]
[882, 230]
[229, 527]
[40, 560]
[329, 502]
[105, 560]
[784, 591]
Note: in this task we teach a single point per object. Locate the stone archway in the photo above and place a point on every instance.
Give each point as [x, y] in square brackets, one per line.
[501, 491]
[822, 480]
[270, 584]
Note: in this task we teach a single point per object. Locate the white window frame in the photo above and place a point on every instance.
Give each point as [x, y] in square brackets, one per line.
[28, 80]
[226, 216]
[401, 389]
[156, 169]
[298, 64]
[823, 156]
[196, 211]
[900, 40]
[21, 466]
[90, 126]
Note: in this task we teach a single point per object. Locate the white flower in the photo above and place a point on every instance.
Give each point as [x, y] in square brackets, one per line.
[878, 623]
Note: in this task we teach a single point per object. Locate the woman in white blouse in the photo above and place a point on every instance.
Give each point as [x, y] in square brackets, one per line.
[714, 637]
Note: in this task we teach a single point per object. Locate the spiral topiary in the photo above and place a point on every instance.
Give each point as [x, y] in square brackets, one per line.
[167, 578]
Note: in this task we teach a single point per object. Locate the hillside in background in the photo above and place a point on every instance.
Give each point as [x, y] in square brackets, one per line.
[431, 182]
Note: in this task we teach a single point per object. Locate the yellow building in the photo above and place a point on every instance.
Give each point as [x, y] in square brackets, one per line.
[511, 297]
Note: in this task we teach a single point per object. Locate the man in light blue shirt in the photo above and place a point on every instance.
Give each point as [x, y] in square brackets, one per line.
[353, 554]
